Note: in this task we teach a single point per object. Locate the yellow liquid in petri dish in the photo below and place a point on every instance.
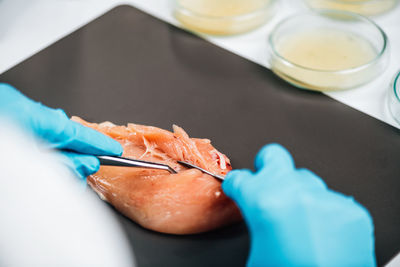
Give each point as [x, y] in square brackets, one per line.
[363, 7]
[319, 56]
[223, 17]
[326, 50]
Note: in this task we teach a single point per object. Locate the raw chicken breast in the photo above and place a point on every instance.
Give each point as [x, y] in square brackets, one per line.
[185, 203]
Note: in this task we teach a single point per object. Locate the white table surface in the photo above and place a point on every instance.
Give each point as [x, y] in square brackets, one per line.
[28, 26]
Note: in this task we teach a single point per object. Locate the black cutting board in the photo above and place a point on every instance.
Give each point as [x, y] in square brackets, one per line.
[127, 66]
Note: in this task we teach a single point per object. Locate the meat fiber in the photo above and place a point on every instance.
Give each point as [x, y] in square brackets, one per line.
[185, 203]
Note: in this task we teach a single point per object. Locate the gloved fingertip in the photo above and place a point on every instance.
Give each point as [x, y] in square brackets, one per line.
[82, 165]
[233, 181]
[90, 141]
[89, 166]
[116, 148]
[310, 179]
[232, 174]
[110, 146]
[273, 154]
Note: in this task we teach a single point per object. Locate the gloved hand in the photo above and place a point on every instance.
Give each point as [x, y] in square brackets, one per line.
[294, 219]
[79, 143]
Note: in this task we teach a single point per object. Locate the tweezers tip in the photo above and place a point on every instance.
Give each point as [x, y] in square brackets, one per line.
[171, 170]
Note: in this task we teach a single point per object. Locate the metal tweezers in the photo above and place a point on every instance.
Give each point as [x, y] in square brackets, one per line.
[127, 162]
[188, 165]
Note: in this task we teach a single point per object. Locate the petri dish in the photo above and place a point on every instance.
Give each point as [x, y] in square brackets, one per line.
[328, 50]
[223, 17]
[394, 98]
[362, 7]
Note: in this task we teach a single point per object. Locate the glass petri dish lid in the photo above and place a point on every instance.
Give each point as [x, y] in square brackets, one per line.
[394, 98]
[328, 50]
[223, 17]
[362, 7]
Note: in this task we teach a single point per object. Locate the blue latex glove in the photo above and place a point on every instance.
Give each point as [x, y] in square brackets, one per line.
[295, 220]
[79, 143]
